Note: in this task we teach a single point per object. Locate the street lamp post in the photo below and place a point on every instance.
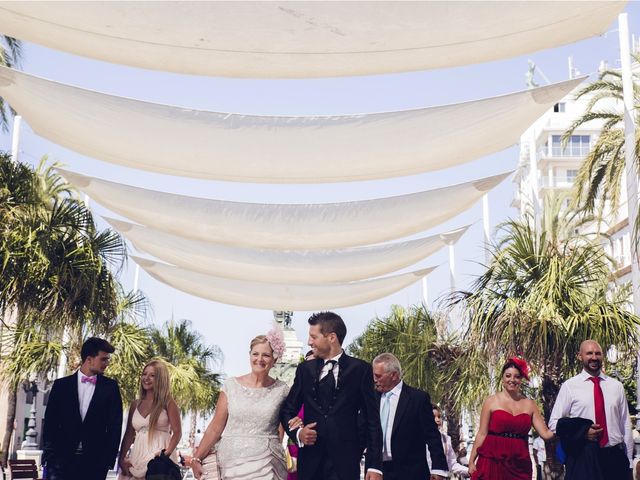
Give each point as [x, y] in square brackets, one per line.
[30, 437]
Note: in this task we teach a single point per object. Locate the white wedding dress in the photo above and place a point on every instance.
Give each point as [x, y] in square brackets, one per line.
[250, 448]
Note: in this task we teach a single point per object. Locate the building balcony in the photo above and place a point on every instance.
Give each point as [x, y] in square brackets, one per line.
[559, 182]
[560, 155]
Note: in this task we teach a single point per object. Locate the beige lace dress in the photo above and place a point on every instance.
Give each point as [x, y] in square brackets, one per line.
[250, 448]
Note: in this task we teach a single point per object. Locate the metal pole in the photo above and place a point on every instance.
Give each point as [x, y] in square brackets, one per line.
[425, 292]
[15, 140]
[452, 267]
[62, 362]
[533, 176]
[487, 227]
[136, 278]
[630, 168]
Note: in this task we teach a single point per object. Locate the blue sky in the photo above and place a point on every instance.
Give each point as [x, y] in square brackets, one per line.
[232, 327]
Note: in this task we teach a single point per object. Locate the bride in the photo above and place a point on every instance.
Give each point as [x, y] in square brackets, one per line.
[246, 417]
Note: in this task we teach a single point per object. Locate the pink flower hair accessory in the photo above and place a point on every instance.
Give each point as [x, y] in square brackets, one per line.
[276, 340]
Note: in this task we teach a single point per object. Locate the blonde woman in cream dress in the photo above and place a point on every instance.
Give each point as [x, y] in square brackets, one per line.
[246, 425]
[153, 424]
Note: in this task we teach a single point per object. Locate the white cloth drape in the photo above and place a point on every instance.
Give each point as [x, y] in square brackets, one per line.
[299, 226]
[279, 296]
[304, 39]
[277, 266]
[248, 148]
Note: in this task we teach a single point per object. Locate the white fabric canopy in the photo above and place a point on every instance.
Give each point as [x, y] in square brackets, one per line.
[277, 266]
[278, 296]
[247, 148]
[287, 226]
[304, 39]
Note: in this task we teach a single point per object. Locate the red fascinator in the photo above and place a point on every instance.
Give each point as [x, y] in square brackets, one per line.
[522, 365]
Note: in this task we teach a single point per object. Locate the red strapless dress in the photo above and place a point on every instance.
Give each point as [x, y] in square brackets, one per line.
[504, 455]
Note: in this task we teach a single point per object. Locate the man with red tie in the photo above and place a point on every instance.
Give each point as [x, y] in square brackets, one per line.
[594, 396]
[83, 419]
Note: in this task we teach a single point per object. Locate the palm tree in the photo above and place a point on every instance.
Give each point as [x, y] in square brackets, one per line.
[599, 178]
[541, 295]
[132, 342]
[54, 273]
[194, 385]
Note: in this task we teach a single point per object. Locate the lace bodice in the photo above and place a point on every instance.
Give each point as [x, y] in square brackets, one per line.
[253, 411]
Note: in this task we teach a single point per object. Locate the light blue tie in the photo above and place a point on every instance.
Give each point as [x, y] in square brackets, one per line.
[384, 418]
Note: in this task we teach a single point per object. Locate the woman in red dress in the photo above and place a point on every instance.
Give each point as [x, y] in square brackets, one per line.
[501, 448]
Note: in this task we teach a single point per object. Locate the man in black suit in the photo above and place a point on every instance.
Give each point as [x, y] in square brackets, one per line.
[408, 426]
[334, 388]
[83, 419]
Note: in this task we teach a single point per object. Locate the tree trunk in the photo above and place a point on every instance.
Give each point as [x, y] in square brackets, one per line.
[452, 416]
[12, 400]
[192, 432]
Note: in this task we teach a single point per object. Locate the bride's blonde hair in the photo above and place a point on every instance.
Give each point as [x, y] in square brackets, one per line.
[161, 392]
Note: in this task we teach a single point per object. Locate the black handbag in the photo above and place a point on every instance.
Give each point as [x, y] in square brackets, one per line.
[162, 468]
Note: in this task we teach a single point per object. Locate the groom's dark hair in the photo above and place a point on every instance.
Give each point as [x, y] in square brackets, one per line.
[329, 323]
[93, 345]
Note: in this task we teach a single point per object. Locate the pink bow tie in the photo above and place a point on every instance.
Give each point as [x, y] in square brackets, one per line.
[92, 380]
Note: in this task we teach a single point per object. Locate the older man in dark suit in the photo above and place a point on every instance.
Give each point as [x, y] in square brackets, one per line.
[83, 419]
[408, 426]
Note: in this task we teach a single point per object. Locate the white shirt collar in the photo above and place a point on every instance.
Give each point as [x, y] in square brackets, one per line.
[586, 375]
[397, 389]
[336, 358]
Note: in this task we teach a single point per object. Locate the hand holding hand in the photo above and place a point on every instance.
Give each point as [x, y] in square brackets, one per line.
[472, 467]
[295, 423]
[308, 434]
[594, 432]
[196, 468]
[125, 465]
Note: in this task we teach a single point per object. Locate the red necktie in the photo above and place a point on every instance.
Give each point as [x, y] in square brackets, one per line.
[601, 416]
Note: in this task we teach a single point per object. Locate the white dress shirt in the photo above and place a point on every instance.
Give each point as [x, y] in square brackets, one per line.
[455, 468]
[576, 400]
[393, 406]
[85, 394]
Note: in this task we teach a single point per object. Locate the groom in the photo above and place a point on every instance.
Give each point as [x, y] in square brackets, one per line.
[334, 388]
[83, 419]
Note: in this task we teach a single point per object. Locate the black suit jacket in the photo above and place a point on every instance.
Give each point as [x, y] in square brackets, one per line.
[337, 427]
[413, 429]
[582, 455]
[64, 428]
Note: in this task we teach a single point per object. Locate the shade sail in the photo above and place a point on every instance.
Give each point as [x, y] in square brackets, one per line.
[303, 39]
[287, 226]
[247, 148]
[277, 266]
[278, 296]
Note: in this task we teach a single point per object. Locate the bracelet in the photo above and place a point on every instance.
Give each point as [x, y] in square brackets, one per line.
[197, 460]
